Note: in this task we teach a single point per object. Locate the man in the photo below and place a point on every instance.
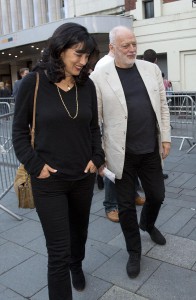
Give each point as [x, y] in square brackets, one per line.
[136, 136]
[23, 72]
[110, 201]
[151, 56]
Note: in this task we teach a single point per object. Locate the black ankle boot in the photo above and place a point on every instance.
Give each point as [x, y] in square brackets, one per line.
[133, 265]
[78, 279]
[156, 236]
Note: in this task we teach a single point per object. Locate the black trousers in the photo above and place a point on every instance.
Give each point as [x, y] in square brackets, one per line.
[149, 170]
[63, 208]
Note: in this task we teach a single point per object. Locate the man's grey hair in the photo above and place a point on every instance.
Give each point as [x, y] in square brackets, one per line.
[113, 33]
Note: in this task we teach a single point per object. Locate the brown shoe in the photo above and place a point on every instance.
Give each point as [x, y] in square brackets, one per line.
[113, 215]
[139, 200]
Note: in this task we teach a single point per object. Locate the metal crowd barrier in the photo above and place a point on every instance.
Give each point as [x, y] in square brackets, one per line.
[8, 160]
[7, 105]
[187, 93]
[183, 118]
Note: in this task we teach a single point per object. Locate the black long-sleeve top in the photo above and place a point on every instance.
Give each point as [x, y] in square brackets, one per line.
[63, 143]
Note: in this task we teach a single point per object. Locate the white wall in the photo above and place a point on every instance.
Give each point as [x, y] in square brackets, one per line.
[171, 35]
[85, 7]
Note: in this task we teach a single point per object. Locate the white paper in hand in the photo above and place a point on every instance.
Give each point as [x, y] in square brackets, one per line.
[109, 174]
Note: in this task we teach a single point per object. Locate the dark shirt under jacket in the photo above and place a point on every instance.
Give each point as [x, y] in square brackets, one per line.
[63, 143]
[141, 123]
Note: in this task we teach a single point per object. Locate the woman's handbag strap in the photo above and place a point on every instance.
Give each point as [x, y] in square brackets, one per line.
[34, 110]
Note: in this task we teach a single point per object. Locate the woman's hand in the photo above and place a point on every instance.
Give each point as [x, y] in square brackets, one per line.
[90, 167]
[45, 172]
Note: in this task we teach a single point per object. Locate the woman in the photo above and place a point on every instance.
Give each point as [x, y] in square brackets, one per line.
[67, 150]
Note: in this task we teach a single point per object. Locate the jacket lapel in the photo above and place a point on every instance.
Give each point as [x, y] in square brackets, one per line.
[114, 82]
[147, 79]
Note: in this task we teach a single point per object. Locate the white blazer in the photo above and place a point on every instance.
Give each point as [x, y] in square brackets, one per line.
[113, 112]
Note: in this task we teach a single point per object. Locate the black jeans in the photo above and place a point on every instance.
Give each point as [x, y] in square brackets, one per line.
[149, 170]
[63, 208]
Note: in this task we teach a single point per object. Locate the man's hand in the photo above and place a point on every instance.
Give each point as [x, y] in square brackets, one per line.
[100, 170]
[166, 149]
[45, 172]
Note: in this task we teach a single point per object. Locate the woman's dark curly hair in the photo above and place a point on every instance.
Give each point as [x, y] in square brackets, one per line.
[65, 37]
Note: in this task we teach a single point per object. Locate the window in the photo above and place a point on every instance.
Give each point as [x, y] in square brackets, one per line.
[149, 9]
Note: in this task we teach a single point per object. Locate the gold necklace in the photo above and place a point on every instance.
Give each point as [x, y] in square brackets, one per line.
[76, 114]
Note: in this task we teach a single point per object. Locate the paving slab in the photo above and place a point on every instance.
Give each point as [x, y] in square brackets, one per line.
[2, 241]
[171, 195]
[41, 295]
[96, 206]
[147, 243]
[174, 190]
[95, 288]
[172, 176]
[11, 255]
[182, 202]
[192, 235]
[93, 218]
[101, 213]
[23, 233]
[181, 180]
[177, 251]
[187, 198]
[104, 248]
[28, 277]
[191, 183]
[178, 221]
[188, 228]
[99, 196]
[116, 293]
[7, 294]
[32, 215]
[191, 193]
[94, 258]
[2, 288]
[170, 282]
[103, 230]
[38, 245]
[166, 213]
[189, 167]
[114, 271]
[8, 222]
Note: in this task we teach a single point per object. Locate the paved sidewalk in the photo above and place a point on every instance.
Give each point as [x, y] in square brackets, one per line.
[167, 272]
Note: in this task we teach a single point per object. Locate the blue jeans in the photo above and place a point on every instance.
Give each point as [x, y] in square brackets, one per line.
[110, 201]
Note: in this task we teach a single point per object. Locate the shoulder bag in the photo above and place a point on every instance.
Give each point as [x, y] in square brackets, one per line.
[22, 181]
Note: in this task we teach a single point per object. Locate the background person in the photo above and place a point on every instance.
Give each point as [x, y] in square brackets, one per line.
[23, 72]
[167, 84]
[4, 92]
[136, 136]
[67, 150]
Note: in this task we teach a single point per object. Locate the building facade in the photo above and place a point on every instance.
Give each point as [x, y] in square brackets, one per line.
[167, 26]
